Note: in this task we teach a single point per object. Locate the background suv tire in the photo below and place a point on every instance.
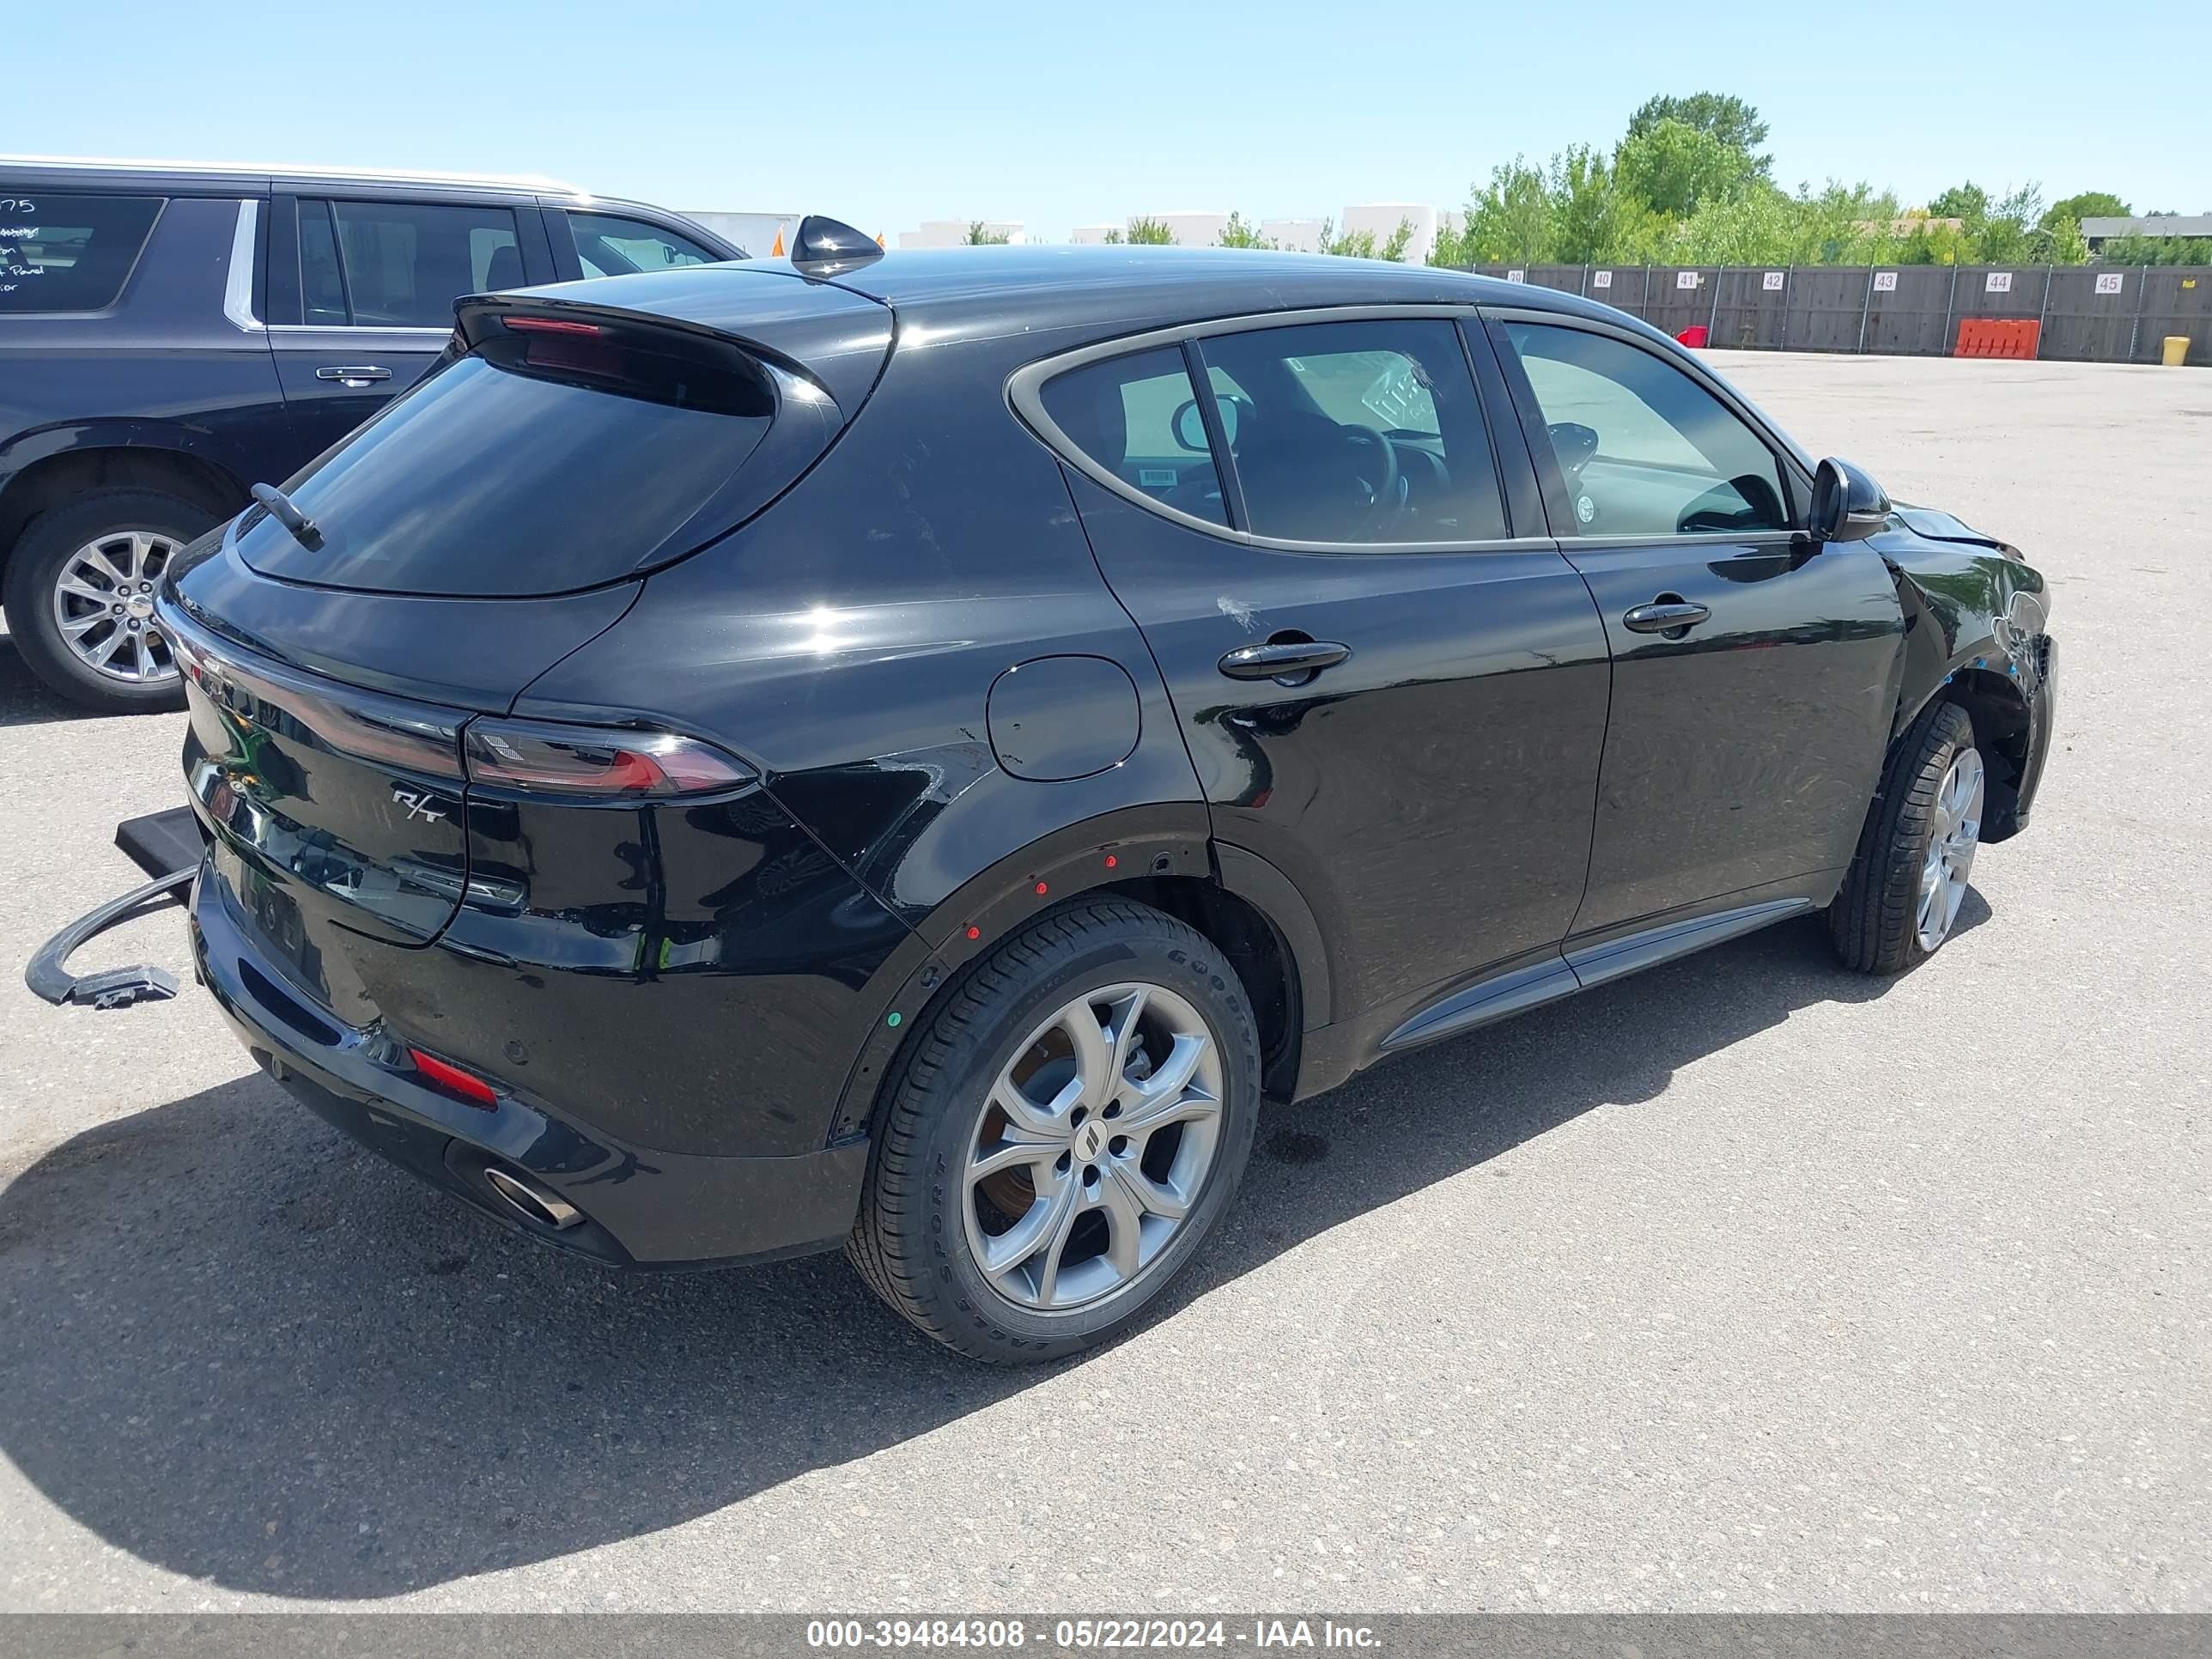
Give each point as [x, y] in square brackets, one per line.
[1062, 1135]
[1902, 895]
[77, 586]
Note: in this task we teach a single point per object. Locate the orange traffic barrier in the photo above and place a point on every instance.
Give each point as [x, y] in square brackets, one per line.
[1998, 337]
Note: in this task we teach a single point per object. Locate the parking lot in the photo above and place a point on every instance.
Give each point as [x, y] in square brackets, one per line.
[1744, 1284]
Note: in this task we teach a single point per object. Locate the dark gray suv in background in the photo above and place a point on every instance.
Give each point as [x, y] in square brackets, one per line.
[171, 336]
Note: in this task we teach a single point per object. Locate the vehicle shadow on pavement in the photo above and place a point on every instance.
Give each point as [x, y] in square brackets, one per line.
[24, 698]
[240, 1348]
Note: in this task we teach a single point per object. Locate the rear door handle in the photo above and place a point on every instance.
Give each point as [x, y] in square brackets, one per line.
[1665, 616]
[356, 374]
[1292, 661]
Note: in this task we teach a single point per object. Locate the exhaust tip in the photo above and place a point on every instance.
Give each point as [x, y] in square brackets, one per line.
[532, 1201]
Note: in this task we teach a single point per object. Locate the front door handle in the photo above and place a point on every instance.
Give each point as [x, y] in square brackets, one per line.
[358, 374]
[1292, 661]
[1665, 615]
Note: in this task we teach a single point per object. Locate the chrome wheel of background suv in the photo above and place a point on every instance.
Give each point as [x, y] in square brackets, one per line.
[104, 606]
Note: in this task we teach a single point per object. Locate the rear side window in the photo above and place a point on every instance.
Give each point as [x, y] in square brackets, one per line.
[401, 264]
[608, 245]
[1136, 416]
[68, 252]
[1362, 432]
[534, 464]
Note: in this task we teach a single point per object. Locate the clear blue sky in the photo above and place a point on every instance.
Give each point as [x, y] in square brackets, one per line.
[1058, 114]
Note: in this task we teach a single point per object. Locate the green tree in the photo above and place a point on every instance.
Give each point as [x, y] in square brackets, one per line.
[2005, 235]
[2089, 204]
[1394, 245]
[978, 236]
[1510, 223]
[1239, 234]
[2063, 243]
[1350, 244]
[1150, 233]
[2157, 250]
[1676, 168]
[1593, 219]
[1719, 115]
[1968, 202]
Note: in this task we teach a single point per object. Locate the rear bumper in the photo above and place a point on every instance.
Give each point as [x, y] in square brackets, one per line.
[640, 1208]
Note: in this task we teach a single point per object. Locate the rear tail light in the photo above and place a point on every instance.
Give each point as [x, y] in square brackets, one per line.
[538, 757]
[550, 325]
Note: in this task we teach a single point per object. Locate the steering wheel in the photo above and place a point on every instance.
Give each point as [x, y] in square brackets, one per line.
[1387, 497]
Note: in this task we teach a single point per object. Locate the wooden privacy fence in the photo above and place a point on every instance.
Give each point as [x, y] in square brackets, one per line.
[2088, 313]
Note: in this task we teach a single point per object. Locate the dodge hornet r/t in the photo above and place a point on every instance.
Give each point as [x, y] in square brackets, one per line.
[910, 752]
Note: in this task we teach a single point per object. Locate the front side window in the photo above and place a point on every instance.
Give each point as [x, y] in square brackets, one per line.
[402, 264]
[1135, 417]
[68, 252]
[607, 245]
[1357, 432]
[1643, 449]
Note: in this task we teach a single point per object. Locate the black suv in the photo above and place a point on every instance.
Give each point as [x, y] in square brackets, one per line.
[171, 336]
[913, 749]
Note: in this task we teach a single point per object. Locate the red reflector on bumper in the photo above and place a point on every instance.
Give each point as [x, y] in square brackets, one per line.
[453, 1081]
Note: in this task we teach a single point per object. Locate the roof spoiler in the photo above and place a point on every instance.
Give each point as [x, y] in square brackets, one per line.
[828, 247]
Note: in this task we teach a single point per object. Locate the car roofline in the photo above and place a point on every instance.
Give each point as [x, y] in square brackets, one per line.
[242, 170]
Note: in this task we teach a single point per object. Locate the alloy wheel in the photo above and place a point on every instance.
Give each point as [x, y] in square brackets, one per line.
[1955, 833]
[1092, 1146]
[104, 606]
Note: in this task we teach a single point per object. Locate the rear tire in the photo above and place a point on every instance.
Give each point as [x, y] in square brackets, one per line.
[89, 541]
[1901, 898]
[1005, 1212]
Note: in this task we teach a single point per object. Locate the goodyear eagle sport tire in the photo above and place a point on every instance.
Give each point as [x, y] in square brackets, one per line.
[1062, 1135]
[1901, 898]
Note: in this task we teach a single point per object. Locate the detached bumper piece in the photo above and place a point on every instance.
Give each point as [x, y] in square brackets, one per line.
[48, 973]
[168, 847]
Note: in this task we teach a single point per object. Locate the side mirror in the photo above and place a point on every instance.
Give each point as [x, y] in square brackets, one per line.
[1847, 504]
[1189, 426]
[1189, 423]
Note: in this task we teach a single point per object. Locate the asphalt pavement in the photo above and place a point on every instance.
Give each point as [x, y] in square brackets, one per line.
[1746, 1284]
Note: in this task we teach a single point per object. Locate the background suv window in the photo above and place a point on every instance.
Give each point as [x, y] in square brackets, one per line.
[1128, 414]
[1357, 432]
[402, 265]
[68, 252]
[608, 245]
[1643, 448]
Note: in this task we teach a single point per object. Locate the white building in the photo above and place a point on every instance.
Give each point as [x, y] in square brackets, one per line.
[1092, 235]
[1293, 235]
[953, 233]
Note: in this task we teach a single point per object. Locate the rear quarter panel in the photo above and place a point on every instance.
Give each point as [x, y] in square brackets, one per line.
[847, 642]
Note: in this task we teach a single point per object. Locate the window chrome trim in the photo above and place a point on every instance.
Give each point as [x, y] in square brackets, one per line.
[1778, 538]
[429, 336]
[1025, 397]
[238, 281]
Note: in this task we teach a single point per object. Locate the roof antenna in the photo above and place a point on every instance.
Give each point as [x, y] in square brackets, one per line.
[828, 247]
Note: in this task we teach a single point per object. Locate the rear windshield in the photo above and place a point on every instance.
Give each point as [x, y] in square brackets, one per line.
[68, 252]
[526, 467]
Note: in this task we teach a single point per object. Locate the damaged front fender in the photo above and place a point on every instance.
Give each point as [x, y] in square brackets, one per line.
[1976, 633]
